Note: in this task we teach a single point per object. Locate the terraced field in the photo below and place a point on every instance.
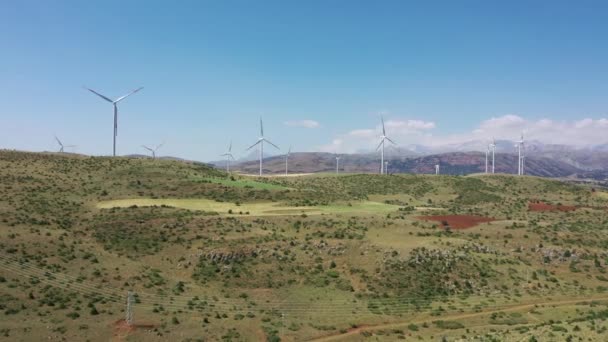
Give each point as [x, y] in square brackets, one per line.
[211, 256]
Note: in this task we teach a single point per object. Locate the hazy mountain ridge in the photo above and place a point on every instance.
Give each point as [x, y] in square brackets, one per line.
[546, 160]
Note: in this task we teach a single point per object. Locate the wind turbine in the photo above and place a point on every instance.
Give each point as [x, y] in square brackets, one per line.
[229, 155]
[287, 159]
[337, 164]
[383, 137]
[493, 147]
[487, 154]
[115, 104]
[520, 155]
[261, 141]
[153, 150]
[61, 146]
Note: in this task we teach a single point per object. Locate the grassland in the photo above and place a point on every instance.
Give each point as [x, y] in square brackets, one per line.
[212, 256]
[253, 209]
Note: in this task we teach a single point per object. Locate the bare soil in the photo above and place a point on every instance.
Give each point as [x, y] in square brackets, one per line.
[457, 221]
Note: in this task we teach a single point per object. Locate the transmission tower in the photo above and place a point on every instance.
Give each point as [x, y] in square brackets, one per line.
[129, 311]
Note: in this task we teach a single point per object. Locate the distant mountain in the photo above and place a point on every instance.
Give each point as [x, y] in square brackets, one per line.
[456, 163]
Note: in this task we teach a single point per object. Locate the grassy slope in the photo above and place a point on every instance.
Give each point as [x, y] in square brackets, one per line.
[360, 262]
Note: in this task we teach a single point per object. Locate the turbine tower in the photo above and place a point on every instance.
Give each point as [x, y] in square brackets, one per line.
[487, 154]
[383, 137]
[337, 164]
[287, 160]
[261, 141]
[115, 104]
[493, 146]
[437, 169]
[153, 150]
[61, 146]
[520, 155]
[229, 155]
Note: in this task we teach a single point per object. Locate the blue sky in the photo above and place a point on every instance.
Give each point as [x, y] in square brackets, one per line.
[439, 71]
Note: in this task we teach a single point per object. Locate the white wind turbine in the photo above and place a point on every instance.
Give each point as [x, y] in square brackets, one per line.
[261, 141]
[520, 155]
[229, 155]
[61, 146]
[493, 147]
[383, 137]
[337, 164]
[287, 160]
[153, 150]
[487, 154]
[115, 104]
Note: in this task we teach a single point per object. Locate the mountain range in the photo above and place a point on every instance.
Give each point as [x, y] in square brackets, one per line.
[546, 160]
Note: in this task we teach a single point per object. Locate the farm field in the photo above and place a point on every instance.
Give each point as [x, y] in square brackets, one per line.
[210, 256]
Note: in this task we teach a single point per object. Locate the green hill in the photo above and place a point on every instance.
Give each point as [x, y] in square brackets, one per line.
[212, 256]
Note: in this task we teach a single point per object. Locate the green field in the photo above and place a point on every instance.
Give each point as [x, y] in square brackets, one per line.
[253, 209]
[218, 257]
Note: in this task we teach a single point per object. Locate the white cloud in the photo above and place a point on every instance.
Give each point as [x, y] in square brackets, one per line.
[366, 139]
[303, 123]
[581, 132]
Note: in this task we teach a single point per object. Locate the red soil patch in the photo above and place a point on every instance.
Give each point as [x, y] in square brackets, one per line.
[542, 206]
[122, 329]
[457, 221]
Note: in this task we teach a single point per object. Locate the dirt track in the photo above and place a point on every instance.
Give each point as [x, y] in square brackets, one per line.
[396, 325]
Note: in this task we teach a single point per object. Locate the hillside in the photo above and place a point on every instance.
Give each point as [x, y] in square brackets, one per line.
[212, 256]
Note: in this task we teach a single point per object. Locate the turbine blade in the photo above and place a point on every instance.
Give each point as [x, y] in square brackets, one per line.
[380, 144]
[129, 94]
[98, 94]
[383, 131]
[268, 141]
[261, 128]
[159, 146]
[230, 147]
[147, 148]
[58, 141]
[392, 142]
[231, 156]
[250, 147]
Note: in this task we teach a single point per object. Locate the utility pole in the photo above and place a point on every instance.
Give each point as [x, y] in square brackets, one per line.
[282, 324]
[129, 311]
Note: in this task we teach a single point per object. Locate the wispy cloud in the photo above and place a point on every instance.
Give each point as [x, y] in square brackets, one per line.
[366, 139]
[583, 132]
[303, 123]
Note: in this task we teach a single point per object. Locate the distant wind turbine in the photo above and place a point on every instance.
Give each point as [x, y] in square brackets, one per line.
[153, 150]
[229, 155]
[261, 141]
[61, 146]
[115, 104]
[337, 164]
[383, 137]
[287, 160]
[520, 155]
[493, 147]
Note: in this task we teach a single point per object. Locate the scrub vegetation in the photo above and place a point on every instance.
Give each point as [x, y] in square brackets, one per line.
[216, 256]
